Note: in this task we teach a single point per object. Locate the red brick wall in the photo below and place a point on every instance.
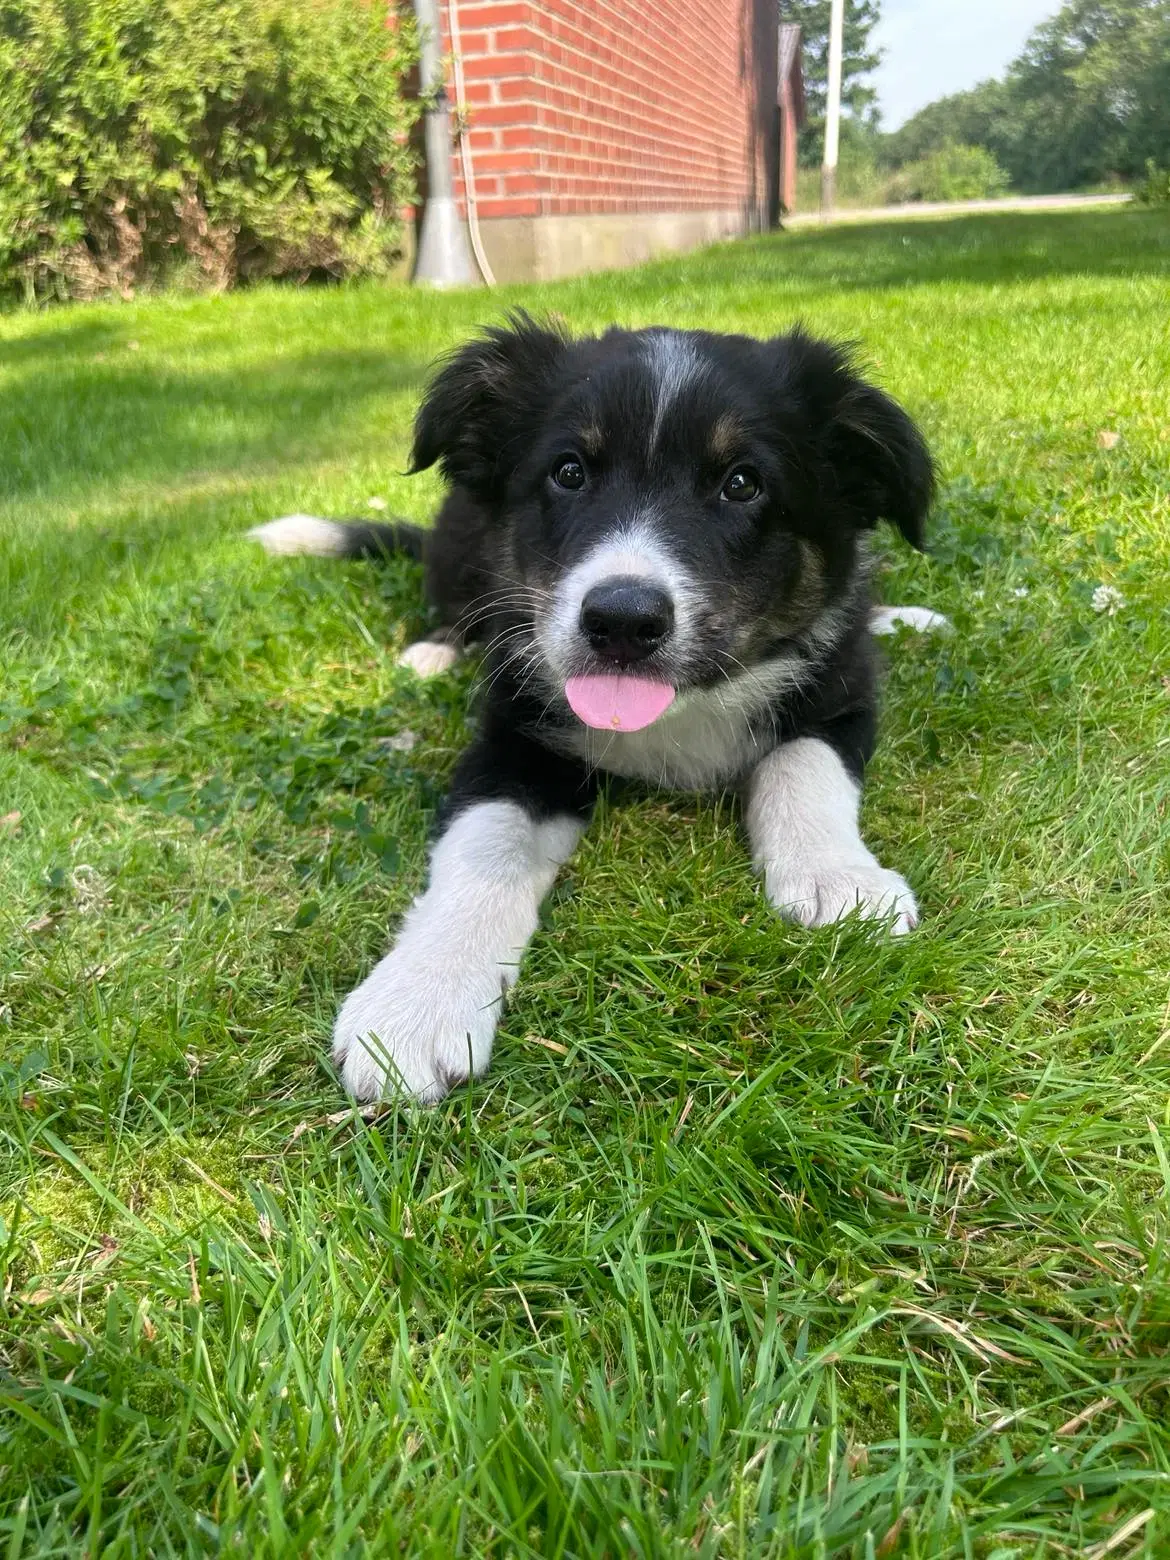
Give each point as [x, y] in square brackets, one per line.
[620, 105]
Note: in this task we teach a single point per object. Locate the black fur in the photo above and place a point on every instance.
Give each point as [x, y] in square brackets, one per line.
[660, 538]
[382, 539]
[784, 575]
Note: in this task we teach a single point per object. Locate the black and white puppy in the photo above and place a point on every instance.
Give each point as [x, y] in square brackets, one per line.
[660, 538]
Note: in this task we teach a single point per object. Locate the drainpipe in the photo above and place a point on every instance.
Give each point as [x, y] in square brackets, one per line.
[443, 258]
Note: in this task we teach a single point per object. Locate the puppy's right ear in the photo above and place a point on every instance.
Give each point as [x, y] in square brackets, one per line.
[481, 402]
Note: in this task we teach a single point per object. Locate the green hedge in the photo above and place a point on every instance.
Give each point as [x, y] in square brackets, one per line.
[233, 139]
[1154, 189]
[951, 172]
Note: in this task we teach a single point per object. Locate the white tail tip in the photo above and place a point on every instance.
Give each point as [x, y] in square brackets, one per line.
[302, 534]
[888, 620]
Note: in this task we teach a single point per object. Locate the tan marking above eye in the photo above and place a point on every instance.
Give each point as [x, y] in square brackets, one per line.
[592, 440]
[725, 438]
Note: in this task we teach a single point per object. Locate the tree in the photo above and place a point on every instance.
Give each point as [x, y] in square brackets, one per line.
[977, 117]
[1090, 92]
[858, 58]
[1087, 99]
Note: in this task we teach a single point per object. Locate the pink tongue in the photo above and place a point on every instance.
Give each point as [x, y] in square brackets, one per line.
[617, 703]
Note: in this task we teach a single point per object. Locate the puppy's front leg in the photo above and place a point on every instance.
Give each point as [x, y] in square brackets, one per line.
[802, 818]
[423, 1020]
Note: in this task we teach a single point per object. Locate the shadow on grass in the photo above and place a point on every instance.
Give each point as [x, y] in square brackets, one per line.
[72, 336]
[93, 419]
[83, 409]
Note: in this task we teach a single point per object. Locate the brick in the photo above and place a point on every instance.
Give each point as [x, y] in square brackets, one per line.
[618, 105]
[489, 14]
[518, 89]
[520, 206]
[506, 115]
[476, 93]
[495, 67]
[512, 40]
[519, 161]
[472, 43]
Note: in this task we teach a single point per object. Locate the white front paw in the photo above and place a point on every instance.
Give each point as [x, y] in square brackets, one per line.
[816, 894]
[413, 1032]
[429, 657]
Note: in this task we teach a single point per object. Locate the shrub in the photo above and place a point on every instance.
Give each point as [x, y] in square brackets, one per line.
[1154, 190]
[952, 172]
[246, 138]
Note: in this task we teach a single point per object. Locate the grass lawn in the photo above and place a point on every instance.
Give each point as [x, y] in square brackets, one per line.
[755, 1241]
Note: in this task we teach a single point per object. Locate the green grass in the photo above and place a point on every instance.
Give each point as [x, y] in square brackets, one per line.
[755, 1241]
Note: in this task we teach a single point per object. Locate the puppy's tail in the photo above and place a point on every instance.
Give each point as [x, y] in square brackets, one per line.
[307, 534]
[888, 620]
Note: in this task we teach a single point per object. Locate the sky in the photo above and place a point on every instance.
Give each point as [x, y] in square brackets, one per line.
[933, 47]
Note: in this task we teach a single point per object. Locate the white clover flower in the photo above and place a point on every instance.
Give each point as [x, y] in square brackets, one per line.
[1020, 592]
[375, 502]
[1107, 598]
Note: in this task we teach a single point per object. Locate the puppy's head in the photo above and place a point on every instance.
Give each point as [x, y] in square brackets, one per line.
[679, 506]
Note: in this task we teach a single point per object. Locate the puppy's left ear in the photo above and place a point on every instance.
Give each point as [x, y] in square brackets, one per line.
[883, 464]
[881, 467]
[479, 405]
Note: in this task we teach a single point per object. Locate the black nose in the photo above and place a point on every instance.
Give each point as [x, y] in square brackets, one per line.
[626, 618]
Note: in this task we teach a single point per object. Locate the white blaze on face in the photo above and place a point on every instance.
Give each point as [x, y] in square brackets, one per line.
[674, 362]
[632, 551]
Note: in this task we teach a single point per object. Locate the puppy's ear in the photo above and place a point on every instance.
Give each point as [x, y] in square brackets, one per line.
[476, 410]
[881, 465]
[886, 469]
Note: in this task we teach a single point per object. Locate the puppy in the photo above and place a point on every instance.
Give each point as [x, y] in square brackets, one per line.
[660, 539]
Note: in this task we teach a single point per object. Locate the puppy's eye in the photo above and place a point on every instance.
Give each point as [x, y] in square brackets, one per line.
[568, 473]
[741, 486]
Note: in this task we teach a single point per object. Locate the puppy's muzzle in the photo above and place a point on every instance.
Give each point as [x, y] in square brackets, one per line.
[625, 619]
